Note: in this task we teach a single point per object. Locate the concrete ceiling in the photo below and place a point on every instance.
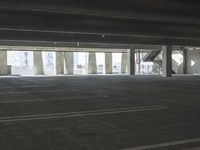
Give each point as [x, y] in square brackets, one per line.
[101, 21]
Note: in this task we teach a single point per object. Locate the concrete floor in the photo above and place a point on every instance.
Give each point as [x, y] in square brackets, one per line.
[100, 113]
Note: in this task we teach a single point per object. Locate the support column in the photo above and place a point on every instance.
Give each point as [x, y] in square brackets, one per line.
[108, 63]
[138, 61]
[38, 67]
[131, 57]
[69, 62]
[92, 64]
[59, 63]
[124, 62]
[3, 63]
[184, 61]
[167, 61]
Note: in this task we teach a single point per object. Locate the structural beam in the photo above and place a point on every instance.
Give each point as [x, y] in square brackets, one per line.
[69, 62]
[59, 63]
[54, 37]
[108, 63]
[167, 61]
[92, 65]
[38, 67]
[73, 46]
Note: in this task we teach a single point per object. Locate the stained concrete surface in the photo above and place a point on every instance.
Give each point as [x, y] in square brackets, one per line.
[27, 96]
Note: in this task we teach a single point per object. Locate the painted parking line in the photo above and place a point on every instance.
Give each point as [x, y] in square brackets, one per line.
[162, 145]
[81, 113]
[193, 148]
[42, 100]
[41, 91]
[51, 99]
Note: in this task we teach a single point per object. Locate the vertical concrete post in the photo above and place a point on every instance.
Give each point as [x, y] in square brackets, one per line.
[108, 62]
[167, 61]
[124, 62]
[38, 67]
[184, 61]
[138, 61]
[92, 64]
[131, 57]
[69, 62]
[3, 63]
[59, 63]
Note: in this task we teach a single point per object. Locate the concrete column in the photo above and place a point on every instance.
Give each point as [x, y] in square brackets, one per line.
[59, 63]
[131, 59]
[184, 61]
[92, 64]
[3, 63]
[38, 67]
[108, 63]
[69, 62]
[124, 62]
[167, 61]
[139, 61]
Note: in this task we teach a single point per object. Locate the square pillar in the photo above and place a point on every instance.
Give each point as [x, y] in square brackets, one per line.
[108, 62]
[167, 61]
[131, 59]
[92, 64]
[69, 62]
[38, 67]
[59, 63]
[3, 63]
[124, 62]
[184, 61]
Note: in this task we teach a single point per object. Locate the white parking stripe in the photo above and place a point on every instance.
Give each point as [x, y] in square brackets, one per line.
[80, 114]
[193, 148]
[29, 92]
[174, 143]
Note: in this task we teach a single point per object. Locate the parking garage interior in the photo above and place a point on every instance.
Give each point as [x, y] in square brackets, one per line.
[99, 75]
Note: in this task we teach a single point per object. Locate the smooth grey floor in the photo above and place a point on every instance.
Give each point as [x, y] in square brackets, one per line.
[99, 113]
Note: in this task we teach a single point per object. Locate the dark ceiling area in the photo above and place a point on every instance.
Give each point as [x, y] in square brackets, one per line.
[102, 21]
